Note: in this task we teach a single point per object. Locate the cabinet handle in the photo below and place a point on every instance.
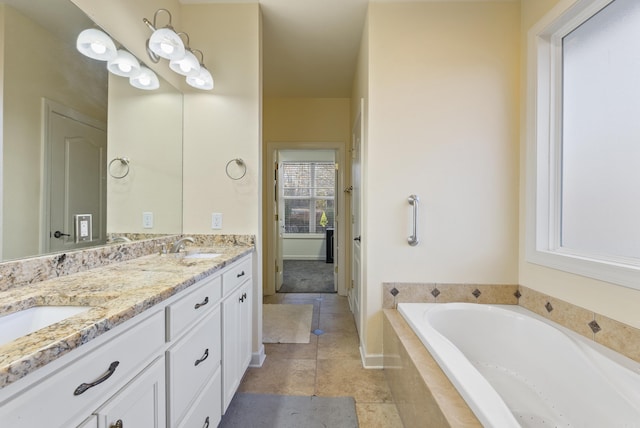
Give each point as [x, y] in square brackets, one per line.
[240, 274]
[206, 423]
[83, 387]
[118, 424]
[204, 357]
[243, 297]
[204, 302]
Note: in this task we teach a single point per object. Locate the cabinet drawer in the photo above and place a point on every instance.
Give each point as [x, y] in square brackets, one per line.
[192, 361]
[205, 412]
[193, 306]
[59, 401]
[236, 275]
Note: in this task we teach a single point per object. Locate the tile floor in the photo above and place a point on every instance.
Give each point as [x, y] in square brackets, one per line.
[328, 366]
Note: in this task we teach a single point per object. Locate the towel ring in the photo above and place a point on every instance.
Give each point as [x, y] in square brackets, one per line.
[123, 161]
[241, 164]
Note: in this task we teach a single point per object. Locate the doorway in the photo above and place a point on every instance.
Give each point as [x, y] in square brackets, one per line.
[74, 180]
[305, 209]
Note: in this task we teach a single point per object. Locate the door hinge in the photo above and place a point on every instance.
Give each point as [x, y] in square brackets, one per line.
[277, 267]
[337, 166]
[277, 217]
[335, 269]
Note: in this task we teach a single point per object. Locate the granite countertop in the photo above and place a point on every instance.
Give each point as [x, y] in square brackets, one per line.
[116, 293]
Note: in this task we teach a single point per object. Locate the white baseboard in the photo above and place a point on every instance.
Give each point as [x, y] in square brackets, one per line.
[294, 257]
[257, 358]
[371, 361]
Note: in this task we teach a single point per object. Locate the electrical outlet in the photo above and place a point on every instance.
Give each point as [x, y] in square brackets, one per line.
[147, 220]
[216, 221]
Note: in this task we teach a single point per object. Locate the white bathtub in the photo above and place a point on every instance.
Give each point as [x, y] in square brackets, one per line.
[514, 368]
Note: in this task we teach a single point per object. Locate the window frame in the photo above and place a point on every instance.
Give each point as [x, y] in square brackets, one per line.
[312, 199]
[544, 151]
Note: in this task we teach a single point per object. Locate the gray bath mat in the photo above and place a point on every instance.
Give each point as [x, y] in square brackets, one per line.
[287, 411]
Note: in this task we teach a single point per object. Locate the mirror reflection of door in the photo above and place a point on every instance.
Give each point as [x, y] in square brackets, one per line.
[76, 150]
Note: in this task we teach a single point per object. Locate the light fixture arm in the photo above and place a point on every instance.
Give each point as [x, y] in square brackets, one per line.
[201, 56]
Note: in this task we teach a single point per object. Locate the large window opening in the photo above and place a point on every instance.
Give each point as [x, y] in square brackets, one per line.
[585, 205]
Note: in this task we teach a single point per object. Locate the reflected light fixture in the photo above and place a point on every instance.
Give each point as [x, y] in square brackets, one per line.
[164, 42]
[124, 64]
[189, 64]
[145, 79]
[96, 44]
[202, 80]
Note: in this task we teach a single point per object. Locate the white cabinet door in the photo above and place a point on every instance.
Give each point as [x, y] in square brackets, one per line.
[236, 333]
[140, 404]
[92, 422]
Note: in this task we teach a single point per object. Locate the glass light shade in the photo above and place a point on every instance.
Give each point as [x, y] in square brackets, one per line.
[124, 64]
[203, 80]
[146, 79]
[187, 66]
[96, 44]
[165, 43]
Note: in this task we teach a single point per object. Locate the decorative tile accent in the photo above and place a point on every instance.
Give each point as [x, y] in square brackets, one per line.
[435, 292]
[476, 293]
[594, 326]
[548, 307]
[318, 332]
[394, 292]
[517, 294]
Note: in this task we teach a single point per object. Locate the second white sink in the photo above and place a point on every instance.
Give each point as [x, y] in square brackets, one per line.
[27, 321]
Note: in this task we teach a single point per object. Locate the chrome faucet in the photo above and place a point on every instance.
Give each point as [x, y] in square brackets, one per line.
[120, 239]
[179, 244]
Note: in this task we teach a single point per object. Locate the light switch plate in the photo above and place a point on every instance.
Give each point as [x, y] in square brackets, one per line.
[216, 221]
[147, 220]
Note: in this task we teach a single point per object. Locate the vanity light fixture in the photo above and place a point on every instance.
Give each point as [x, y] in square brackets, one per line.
[124, 64]
[96, 44]
[204, 79]
[146, 79]
[167, 43]
[164, 42]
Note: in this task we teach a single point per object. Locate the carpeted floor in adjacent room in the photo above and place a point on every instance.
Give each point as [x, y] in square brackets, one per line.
[307, 276]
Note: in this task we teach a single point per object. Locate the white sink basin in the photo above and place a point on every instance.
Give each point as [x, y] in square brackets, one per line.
[27, 321]
[202, 255]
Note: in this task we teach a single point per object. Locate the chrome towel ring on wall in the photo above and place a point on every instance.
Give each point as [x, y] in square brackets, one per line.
[239, 172]
[124, 166]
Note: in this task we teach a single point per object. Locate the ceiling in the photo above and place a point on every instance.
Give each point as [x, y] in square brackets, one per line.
[310, 47]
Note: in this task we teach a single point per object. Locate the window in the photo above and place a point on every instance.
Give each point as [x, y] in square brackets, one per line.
[308, 190]
[585, 215]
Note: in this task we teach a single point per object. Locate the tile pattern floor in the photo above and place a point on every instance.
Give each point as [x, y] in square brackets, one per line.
[328, 366]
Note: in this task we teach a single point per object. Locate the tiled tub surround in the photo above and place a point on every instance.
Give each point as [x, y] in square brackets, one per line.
[617, 336]
[116, 292]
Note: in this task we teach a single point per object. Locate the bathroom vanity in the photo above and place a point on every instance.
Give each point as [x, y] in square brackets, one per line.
[165, 343]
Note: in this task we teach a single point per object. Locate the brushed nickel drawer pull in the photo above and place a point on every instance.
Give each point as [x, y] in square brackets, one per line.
[204, 357]
[110, 371]
[118, 424]
[204, 302]
[240, 274]
[206, 423]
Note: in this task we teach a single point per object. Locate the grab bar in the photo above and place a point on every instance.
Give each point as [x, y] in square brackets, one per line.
[413, 239]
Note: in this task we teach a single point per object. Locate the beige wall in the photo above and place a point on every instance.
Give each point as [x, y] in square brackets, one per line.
[146, 128]
[224, 124]
[614, 301]
[307, 119]
[443, 80]
[37, 65]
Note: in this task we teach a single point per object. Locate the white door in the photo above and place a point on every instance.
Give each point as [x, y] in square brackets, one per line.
[356, 249]
[278, 224]
[76, 165]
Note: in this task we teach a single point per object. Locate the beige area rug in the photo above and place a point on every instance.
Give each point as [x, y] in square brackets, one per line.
[283, 323]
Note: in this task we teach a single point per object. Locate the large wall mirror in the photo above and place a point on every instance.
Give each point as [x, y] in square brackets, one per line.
[77, 140]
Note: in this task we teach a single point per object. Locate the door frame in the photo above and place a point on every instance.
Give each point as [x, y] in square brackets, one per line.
[50, 107]
[343, 229]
